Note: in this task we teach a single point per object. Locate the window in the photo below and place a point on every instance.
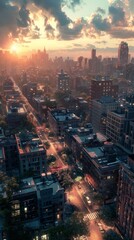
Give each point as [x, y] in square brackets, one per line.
[16, 206]
[16, 213]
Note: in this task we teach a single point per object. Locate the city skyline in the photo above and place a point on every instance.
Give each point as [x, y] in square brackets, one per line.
[68, 28]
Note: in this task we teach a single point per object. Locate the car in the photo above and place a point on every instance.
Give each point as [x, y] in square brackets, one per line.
[88, 200]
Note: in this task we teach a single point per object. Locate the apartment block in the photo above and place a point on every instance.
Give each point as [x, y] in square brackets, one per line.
[60, 119]
[115, 125]
[32, 155]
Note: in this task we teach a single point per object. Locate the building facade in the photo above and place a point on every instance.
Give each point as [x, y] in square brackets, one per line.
[115, 125]
[103, 86]
[32, 155]
[39, 202]
[125, 199]
[100, 109]
[63, 82]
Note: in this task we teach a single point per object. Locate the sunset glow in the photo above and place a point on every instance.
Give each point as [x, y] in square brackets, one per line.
[14, 48]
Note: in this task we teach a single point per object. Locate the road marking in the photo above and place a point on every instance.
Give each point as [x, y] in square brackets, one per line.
[93, 215]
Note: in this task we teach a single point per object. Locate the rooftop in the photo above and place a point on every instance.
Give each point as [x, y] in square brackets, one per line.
[106, 156]
[106, 99]
[29, 185]
[29, 142]
[64, 115]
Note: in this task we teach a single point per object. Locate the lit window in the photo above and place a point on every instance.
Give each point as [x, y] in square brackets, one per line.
[25, 209]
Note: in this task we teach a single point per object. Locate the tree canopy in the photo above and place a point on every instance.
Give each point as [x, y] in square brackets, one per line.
[108, 214]
[74, 227]
[111, 235]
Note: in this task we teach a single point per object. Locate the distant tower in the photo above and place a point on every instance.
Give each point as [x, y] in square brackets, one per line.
[123, 54]
[93, 54]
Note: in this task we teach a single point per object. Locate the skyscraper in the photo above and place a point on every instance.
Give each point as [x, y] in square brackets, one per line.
[93, 54]
[123, 53]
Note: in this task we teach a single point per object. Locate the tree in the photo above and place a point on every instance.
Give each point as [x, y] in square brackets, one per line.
[97, 198]
[47, 144]
[111, 235]
[74, 227]
[9, 184]
[108, 214]
[67, 150]
[51, 158]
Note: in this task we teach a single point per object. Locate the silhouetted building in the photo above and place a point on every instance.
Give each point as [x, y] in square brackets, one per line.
[123, 54]
[93, 54]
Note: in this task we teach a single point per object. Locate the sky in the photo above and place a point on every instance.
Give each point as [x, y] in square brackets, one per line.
[67, 27]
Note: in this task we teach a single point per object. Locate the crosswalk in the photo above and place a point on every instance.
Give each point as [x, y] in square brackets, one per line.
[92, 216]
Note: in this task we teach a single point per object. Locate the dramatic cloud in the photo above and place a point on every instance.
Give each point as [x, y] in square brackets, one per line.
[24, 20]
[49, 31]
[118, 15]
[71, 32]
[8, 24]
[122, 33]
[100, 23]
[54, 9]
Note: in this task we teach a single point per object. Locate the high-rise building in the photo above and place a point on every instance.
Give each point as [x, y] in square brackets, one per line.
[93, 53]
[63, 81]
[125, 199]
[123, 52]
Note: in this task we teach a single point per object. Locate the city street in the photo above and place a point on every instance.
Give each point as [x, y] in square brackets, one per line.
[75, 195]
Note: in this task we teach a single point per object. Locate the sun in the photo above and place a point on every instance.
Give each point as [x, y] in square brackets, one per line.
[14, 48]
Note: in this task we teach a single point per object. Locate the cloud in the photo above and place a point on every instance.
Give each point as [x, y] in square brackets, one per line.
[118, 15]
[101, 42]
[49, 31]
[8, 24]
[24, 17]
[122, 33]
[72, 3]
[70, 33]
[77, 45]
[19, 21]
[101, 10]
[128, 5]
[100, 23]
[54, 9]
